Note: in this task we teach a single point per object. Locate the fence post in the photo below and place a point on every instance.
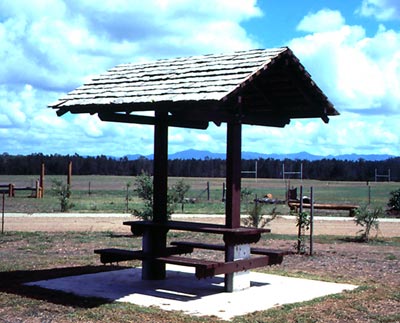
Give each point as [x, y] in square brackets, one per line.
[41, 179]
[11, 192]
[2, 215]
[208, 191]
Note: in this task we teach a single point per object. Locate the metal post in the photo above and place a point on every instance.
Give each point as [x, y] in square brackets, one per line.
[208, 191]
[2, 215]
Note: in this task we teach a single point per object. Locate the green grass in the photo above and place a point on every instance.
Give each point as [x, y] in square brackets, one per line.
[108, 194]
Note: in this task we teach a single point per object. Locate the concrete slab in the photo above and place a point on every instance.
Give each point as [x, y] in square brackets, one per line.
[181, 291]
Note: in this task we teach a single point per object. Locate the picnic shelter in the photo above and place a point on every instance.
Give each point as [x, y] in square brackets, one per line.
[265, 87]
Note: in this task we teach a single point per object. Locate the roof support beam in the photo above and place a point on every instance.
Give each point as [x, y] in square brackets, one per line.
[170, 120]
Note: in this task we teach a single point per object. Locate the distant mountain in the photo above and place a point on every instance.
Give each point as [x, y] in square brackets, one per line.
[203, 154]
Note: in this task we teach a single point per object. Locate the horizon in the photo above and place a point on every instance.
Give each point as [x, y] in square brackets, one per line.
[246, 155]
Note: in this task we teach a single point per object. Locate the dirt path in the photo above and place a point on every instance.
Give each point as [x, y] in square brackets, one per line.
[113, 222]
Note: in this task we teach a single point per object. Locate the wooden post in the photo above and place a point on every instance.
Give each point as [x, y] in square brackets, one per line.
[233, 174]
[208, 191]
[37, 186]
[11, 190]
[232, 204]
[41, 181]
[155, 241]
[69, 176]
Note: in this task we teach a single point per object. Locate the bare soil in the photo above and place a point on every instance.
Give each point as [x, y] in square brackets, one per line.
[280, 225]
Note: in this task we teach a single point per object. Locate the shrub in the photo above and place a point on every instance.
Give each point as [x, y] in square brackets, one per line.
[144, 189]
[179, 191]
[303, 222]
[368, 219]
[394, 200]
[63, 193]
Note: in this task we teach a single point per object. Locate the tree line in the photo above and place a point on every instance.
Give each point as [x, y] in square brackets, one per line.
[324, 169]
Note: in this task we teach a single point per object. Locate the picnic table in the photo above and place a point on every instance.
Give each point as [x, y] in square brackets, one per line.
[239, 256]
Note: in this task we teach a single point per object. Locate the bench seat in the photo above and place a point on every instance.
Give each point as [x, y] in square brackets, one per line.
[203, 268]
[208, 268]
[111, 255]
[275, 255]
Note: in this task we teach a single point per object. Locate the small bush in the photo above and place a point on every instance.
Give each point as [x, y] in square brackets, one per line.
[63, 193]
[144, 189]
[394, 200]
[368, 219]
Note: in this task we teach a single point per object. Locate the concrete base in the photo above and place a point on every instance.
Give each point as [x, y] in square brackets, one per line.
[181, 291]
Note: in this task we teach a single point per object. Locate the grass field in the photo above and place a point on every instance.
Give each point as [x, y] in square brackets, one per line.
[109, 193]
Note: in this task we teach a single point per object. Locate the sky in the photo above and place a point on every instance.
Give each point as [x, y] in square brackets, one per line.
[351, 48]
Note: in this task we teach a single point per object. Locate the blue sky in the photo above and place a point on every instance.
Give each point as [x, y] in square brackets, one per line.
[49, 47]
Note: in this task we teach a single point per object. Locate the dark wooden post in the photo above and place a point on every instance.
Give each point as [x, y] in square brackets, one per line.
[154, 241]
[233, 177]
[233, 174]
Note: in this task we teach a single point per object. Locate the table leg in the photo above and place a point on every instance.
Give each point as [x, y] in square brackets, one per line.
[239, 280]
[153, 243]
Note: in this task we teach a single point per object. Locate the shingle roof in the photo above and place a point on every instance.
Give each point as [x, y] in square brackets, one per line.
[271, 83]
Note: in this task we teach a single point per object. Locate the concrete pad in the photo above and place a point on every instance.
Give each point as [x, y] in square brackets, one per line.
[181, 291]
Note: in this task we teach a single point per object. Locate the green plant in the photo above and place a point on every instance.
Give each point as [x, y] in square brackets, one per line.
[303, 224]
[367, 217]
[394, 200]
[63, 192]
[179, 191]
[256, 218]
[144, 189]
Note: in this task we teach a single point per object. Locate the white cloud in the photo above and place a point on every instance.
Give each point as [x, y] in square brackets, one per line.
[358, 73]
[322, 21]
[382, 10]
[53, 45]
